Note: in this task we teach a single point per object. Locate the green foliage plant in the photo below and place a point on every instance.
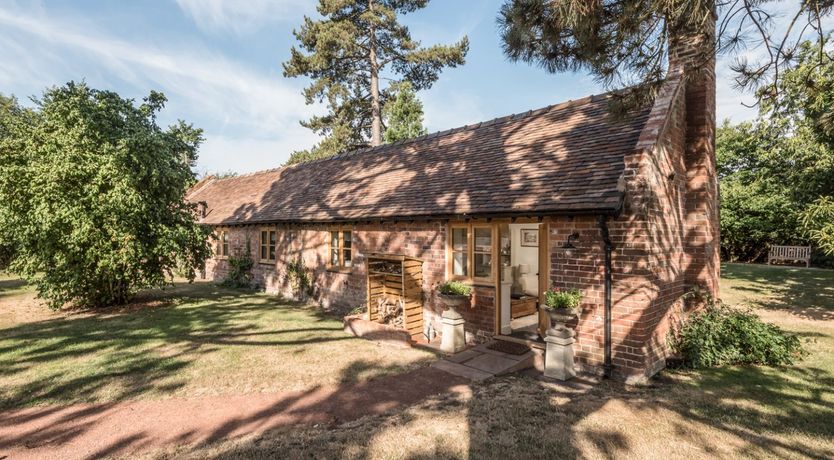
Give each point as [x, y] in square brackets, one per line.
[719, 335]
[562, 299]
[455, 288]
[299, 277]
[240, 269]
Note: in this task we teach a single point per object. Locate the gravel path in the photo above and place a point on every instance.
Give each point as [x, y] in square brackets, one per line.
[87, 431]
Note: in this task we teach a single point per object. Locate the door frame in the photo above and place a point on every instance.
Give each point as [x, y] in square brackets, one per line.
[544, 263]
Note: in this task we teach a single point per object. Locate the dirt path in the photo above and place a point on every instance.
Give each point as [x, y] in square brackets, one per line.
[95, 430]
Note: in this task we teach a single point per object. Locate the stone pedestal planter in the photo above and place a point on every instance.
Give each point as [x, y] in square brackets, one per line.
[560, 338]
[453, 339]
[558, 358]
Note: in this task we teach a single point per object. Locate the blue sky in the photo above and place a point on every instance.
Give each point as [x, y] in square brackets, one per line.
[219, 64]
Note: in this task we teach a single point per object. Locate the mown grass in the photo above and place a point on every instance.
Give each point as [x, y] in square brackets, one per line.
[188, 341]
[728, 412]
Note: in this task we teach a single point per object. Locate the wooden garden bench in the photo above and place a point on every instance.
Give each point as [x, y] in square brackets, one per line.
[790, 253]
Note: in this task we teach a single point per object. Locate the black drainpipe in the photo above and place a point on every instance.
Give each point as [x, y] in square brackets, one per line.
[603, 226]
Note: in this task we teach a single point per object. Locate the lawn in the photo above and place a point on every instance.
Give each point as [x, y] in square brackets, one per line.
[719, 413]
[188, 341]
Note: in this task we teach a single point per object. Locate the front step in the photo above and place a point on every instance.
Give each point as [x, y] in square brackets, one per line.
[480, 363]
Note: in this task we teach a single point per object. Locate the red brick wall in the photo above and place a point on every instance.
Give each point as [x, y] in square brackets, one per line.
[426, 241]
[649, 261]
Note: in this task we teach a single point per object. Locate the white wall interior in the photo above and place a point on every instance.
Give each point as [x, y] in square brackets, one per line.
[525, 255]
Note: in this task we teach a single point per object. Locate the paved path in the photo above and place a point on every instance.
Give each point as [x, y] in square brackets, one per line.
[481, 363]
[87, 431]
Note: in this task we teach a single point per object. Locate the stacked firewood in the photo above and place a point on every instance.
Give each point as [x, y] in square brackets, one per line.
[391, 313]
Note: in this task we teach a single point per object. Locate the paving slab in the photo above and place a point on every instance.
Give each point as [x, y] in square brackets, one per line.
[460, 370]
[464, 355]
[490, 363]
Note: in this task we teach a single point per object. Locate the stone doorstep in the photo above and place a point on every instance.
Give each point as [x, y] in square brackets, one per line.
[483, 349]
[461, 370]
[491, 363]
[480, 363]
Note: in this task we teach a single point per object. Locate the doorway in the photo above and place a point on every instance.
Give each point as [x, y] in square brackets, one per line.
[521, 264]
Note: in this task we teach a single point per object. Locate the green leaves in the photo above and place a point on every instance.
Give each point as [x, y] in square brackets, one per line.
[357, 45]
[721, 336]
[92, 196]
[404, 115]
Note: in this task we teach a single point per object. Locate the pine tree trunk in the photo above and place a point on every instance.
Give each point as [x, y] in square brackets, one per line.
[376, 113]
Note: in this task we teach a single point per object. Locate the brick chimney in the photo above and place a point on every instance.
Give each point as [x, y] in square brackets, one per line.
[695, 55]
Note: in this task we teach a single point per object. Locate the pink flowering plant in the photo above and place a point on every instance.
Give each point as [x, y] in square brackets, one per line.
[566, 300]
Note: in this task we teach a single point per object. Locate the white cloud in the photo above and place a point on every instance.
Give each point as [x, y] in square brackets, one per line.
[243, 16]
[202, 86]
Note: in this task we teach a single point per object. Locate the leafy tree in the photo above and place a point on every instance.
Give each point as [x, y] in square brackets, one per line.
[356, 45]
[93, 196]
[404, 115]
[626, 42]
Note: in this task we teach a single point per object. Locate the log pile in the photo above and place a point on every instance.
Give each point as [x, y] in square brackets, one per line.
[390, 313]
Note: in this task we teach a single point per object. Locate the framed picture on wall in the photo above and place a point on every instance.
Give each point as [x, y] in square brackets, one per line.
[530, 237]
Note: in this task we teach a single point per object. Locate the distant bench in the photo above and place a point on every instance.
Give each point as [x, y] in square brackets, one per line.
[790, 253]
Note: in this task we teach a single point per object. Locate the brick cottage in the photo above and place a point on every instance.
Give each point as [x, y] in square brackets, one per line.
[624, 209]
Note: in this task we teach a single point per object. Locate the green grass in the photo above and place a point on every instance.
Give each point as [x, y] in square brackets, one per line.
[188, 341]
[730, 412]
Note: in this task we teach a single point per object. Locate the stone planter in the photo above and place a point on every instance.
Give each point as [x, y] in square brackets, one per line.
[559, 350]
[453, 336]
[452, 301]
[559, 317]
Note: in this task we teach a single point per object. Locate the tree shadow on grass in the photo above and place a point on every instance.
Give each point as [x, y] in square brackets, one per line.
[767, 411]
[802, 292]
[121, 353]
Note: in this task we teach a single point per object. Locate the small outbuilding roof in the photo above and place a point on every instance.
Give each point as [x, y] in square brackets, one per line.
[561, 159]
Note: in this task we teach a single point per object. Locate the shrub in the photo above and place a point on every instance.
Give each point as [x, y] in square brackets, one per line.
[454, 288]
[720, 335]
[240, 270]
[559, 299]
[92, 196]
[299, 278]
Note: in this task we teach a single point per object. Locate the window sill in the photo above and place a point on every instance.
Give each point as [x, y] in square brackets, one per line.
[266, 262]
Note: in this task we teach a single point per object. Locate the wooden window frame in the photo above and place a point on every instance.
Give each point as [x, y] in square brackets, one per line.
[470, 253]
[340, 267]
[222, 251]
[266, 244]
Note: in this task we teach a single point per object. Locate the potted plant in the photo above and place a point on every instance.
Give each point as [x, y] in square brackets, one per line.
[562, 304]
[454, 293]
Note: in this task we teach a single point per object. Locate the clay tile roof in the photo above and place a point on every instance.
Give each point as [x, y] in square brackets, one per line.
[566, 158]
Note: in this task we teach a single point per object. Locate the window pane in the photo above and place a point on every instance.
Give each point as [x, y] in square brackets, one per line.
[347, 258]
[263, 252]
[483, 265]
[346, 239]
[334, 240]
[263, 238]
[459, 264]
[334, 257]
[483, 239]
[272, 238]
[271, 252]
[459, 239]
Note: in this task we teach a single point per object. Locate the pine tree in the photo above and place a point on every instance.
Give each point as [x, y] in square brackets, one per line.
[404, 115]
[626, 42]
[348, 52]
